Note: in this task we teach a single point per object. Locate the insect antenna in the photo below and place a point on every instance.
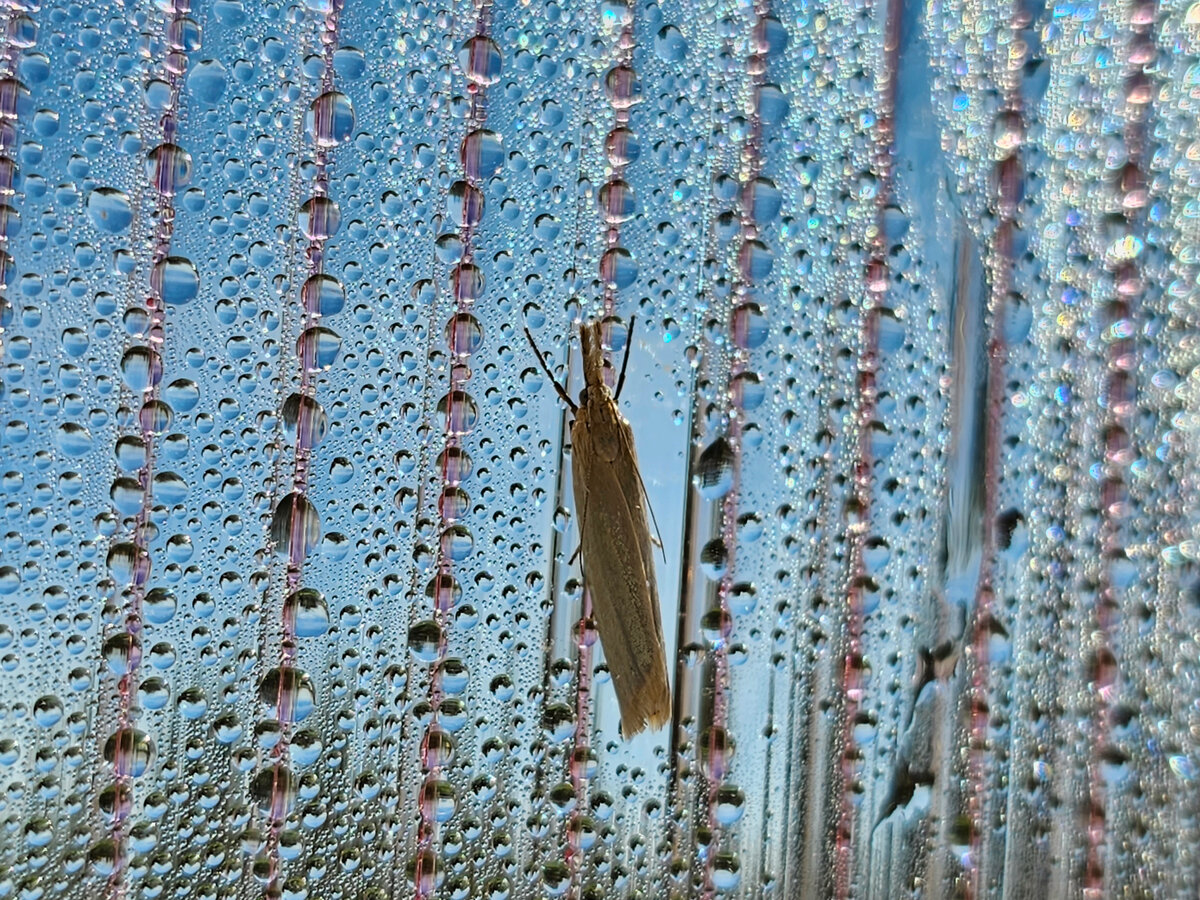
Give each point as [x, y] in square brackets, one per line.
[562, 391]
[625, 361]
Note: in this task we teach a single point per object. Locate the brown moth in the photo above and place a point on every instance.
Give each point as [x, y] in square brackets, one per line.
[618, 564]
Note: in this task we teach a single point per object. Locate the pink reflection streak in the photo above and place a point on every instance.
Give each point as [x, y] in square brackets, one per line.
[163, 182]
[743, 287]
[1007, 183]
[302, 458]
[877, 277]
[1118, 400]
[456, 424]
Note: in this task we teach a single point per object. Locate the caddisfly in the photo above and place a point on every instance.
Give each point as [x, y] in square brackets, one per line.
[618, 565]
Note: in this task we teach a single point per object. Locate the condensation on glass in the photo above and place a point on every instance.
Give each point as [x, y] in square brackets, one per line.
[290, 604]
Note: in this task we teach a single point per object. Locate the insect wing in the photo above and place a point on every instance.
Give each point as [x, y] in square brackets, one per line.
[618, 568]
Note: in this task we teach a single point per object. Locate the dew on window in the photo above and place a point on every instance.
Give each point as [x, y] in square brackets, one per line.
[900, 301]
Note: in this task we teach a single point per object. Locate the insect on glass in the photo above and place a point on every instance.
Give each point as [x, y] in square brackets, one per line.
[615, 542]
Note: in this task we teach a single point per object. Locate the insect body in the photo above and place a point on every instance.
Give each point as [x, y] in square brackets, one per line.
[618, 564]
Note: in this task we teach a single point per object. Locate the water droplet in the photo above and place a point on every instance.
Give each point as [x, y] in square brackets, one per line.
[295, 527]
[424, 640]
[207, 81]
[464, 204]
[110, 209]
[129, 752]
[464, 335]
[319, 219]
[330, 119]
[169, 168]
[142, 369]
[482, 154]
[617, 203]
[323, 295]
[714, 472]
[480, 60]
[175, 279]
[306, 613]
[273, 791]
[74, 440]
[304, 421]
[288, 694]
[318, 347]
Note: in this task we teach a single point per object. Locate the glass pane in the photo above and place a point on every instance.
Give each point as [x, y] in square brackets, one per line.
[853, 554]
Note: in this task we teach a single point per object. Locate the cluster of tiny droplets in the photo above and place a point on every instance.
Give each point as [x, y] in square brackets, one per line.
[688, 812]
[1177, 436]
[189, 799]
[286, 692]
[1048, 398]
[128, 750]
[481, 156]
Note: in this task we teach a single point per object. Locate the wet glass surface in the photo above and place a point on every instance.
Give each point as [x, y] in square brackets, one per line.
[290, 603]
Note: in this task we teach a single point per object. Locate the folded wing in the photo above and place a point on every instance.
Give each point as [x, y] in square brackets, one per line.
[618, 568]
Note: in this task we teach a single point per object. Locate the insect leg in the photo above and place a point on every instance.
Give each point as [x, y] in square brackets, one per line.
[646, 499]
[562, 391]
[625, 361]
[579, 549]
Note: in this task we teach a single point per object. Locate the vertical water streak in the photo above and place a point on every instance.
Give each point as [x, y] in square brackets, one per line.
[1177, 444]
[876, 283]
[168, 169]
[286, 690]
[17, 32]
[685, 687]
[1117, 321]
[753, 261]
[480, 156]
[428, 292]
[614, 271]
[1009, 132]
